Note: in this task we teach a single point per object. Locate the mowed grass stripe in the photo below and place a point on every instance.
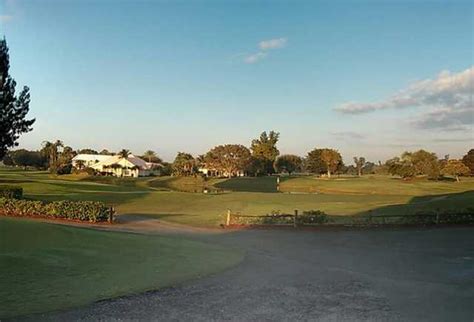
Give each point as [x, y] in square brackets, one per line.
[50, 267]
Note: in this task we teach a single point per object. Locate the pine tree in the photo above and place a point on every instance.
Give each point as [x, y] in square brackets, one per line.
[13, 109]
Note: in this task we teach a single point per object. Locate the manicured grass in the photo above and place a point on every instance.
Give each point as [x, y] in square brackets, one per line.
[372, 184]
[48, 267]
[253, 196]
[184, 184]
[249, 184]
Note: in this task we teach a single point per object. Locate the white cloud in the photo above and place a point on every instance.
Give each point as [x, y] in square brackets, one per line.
[272, 43]
[5, 18]
[448, 90]
[447, 101]
[348, 135]
[264, 46]
[448, 119]
[255, 57]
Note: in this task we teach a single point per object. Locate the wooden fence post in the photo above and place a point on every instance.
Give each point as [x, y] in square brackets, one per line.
[111, 214]
[227, 223]
[295, 219]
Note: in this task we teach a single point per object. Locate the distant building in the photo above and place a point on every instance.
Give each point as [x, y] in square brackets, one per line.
[210, 172]
[116, 165]
[87, 160]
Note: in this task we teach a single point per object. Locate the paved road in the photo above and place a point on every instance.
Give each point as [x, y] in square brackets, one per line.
[383, 275]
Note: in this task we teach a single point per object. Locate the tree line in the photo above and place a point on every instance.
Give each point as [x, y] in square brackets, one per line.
[263, 158]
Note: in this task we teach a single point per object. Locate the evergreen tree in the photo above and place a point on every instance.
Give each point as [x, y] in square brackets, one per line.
[13, 109]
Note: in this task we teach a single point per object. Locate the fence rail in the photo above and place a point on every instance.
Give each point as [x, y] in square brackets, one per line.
[369, 220]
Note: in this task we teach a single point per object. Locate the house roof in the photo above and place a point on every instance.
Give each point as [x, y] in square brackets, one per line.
[131, 160]
[91, 157]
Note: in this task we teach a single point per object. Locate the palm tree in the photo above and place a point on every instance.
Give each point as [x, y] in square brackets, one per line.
[149, 154]
[51, 152]
[124, 153]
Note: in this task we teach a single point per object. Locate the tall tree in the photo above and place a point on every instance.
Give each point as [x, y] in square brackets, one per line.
[149, 155]
[51, 153]
[425, 163]
[402, 167]
[25, 158]
[105, 152]
[359, 164]
[332, 159]
[288, 162]
[124, 153]
[455, 168]
[87, 151]
[13, 109]
[468, 160]
[264, 148]
[313, 162]
[184, 164]
[228, 159]
[65, 160]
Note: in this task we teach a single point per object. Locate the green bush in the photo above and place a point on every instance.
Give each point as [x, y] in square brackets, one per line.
[277, 218]
[313, 217]
[91, 211]
[11, 192]
[449, 216]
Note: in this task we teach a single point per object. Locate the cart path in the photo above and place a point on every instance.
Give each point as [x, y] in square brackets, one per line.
[384, 275]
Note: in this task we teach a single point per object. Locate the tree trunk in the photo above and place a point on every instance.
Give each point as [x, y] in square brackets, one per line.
[360, 172]
[457, 178]
[329, 173]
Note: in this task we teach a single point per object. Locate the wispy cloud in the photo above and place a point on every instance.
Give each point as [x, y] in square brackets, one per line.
[347, 135]
[453, 140]
[448, 99]
[448, 119]
[5, 18]
[272, 43]
[255, 57]
[265, 46]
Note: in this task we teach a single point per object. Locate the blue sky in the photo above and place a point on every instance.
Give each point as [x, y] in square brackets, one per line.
[187, 75]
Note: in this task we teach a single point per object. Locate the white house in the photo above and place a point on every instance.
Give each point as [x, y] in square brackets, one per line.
[118, 166]
[211, 172]
[88, 160]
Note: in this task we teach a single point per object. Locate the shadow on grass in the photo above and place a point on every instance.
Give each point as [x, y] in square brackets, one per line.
[449, 201]
[250, 184]
[15, 181]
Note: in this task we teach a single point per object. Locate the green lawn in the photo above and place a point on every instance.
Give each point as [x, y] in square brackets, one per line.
[254, 196]
[49, 267]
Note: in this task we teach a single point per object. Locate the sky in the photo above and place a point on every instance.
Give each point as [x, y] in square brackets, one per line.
[369, 78]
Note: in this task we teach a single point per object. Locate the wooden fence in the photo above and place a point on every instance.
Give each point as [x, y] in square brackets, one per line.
[354, 221]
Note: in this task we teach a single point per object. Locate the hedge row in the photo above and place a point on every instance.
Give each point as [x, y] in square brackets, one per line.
[11, 192]
[450, 216]
[277, 218]
[91, 211]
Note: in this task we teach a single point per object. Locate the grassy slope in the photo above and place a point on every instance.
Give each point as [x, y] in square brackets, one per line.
[370, 185]
[48, 267]
[338, 196]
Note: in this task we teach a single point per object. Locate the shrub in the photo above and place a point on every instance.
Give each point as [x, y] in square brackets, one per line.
[277, 218]
[91, 211]
[11, 192]
[449, 216]
[313, 217]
